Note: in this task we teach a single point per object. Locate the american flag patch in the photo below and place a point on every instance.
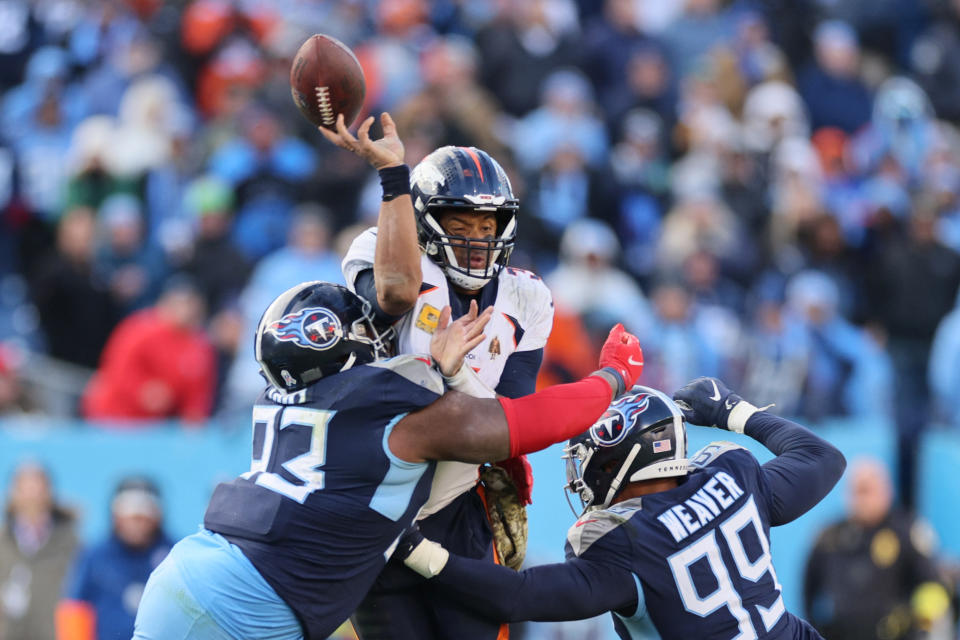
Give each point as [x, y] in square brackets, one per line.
[662, 445]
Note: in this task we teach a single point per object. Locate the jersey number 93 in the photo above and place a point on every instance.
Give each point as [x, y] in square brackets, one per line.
[268, 422]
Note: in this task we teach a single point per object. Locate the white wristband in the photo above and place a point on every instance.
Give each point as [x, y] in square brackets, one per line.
[741, 412]
[428, 558]
[467, 381]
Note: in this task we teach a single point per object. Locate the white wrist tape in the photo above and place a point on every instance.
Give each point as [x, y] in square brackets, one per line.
[428, 558]
[467, 381]
[741, 412]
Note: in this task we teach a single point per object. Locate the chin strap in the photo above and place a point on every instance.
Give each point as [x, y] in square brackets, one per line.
[620, 474]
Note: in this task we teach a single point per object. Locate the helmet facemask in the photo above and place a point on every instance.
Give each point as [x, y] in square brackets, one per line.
[364, 330]
[441, 246]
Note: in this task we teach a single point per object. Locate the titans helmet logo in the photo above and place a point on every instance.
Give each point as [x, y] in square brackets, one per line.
[609, 429]
[314, 328]
[615, 423]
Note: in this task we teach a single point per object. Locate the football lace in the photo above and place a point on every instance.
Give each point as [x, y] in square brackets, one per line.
[326, 109]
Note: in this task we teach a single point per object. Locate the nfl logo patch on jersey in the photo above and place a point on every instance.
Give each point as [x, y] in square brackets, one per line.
[428, 319]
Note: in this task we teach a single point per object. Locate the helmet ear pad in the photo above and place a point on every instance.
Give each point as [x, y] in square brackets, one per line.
[641, 436]
[314, 330]
[470, 180]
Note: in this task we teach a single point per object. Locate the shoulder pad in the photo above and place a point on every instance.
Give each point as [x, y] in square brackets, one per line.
[527, 284]
[527, 298]
[417, 369]
[708, 454]
[593, 525]
[359, 256]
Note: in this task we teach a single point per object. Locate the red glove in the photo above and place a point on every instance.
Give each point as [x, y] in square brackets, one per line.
[521, 473]
[622, 353]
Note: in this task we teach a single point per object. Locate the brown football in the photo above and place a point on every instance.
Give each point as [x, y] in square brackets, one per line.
[326, 79]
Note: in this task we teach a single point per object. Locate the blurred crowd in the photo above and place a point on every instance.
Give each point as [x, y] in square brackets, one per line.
[762, 191]
[51, 586]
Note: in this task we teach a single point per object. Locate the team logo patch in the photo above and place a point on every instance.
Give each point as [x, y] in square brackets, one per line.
[428, 319]
[315, 328]
[615, 423]
[494, 349]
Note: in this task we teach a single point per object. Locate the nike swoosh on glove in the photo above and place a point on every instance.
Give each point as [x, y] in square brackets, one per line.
[708, 402]
[622, 353]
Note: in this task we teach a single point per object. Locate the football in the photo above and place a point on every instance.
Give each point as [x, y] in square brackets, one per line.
[326, 79]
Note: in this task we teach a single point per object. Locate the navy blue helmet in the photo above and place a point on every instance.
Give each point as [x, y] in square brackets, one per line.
[313, 330]
[642, 435]
[468, 179]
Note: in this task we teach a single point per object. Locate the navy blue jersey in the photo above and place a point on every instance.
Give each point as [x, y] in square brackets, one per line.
[689, 562]
[700, 553]
[325, 500]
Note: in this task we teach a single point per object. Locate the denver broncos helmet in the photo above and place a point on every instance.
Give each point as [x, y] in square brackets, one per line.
[642, 435]
[313, 330]
[468, 179]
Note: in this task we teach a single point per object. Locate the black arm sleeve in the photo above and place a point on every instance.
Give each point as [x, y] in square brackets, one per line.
[805, 470]
[572, 590]
[519, 377]
[366, 288]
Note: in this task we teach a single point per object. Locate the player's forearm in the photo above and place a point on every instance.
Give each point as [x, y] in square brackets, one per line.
[553, 592]
[467, 429]
[557, 413]
[806, 467]
[396, 265]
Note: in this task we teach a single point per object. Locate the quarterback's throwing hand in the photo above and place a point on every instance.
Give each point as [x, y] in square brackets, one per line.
[385, 152]
[622, 353]
[709, 403]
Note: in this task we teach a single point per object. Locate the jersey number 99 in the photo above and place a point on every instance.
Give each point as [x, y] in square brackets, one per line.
[725, 595]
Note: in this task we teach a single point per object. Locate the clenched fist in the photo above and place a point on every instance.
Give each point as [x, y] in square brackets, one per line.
[622, 353]
[709, 403]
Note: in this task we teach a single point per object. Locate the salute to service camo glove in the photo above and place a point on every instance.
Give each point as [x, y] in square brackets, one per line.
[506, 514]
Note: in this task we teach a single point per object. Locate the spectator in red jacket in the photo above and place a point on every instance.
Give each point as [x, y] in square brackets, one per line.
[158, 363]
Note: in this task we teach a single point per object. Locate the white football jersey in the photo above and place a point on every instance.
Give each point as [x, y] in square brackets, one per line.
[522, 321]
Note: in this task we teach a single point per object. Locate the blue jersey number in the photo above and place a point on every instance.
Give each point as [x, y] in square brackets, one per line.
[725, 595]
[268, 421]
